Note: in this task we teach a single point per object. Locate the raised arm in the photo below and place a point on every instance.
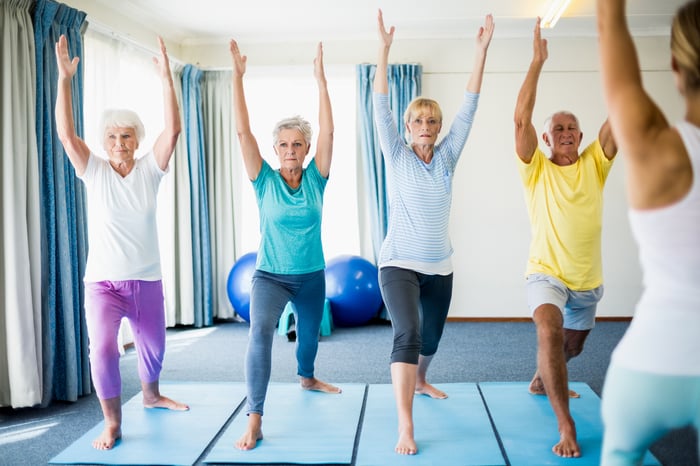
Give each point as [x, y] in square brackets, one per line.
[607, 140]
[78, 152]
[165, 142]
[483, 39]
[249, 146]
[525, 133]
[633, 115]
[324, 146]
[654, 151]
[381, 81]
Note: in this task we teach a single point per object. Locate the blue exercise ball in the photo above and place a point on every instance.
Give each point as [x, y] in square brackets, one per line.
[239, 284]
[352, 288]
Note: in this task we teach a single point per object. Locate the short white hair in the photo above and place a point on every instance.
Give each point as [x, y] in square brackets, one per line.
[295, 122]
[122, 118]
[548, 121]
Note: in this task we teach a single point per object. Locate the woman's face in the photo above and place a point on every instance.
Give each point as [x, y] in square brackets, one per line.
[291, 148]
[120, 142]
[424, 128]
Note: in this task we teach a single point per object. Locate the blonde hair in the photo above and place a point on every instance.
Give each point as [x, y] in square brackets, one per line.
[685, 42]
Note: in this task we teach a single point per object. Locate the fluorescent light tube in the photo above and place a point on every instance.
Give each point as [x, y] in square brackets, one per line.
[556, 9]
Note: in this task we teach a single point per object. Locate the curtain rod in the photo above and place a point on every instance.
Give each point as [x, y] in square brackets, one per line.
[101, 28]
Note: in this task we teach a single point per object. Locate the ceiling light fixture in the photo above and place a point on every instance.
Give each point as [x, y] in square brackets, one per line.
[556, 9]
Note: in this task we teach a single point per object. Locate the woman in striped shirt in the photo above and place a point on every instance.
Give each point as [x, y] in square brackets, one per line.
[415, 268]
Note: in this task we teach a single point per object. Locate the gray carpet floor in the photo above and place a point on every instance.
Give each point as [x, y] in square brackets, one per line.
[469, 352]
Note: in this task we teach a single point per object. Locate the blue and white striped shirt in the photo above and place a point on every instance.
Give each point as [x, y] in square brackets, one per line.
[420, 193]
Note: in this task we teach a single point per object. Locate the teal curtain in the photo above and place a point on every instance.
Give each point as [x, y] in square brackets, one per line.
[63, 213]
[201, 243]
[404, 86]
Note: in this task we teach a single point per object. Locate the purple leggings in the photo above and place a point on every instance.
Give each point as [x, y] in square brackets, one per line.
[106, 304]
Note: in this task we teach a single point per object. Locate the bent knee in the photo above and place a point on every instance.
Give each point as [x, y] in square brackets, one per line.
[104, 351]
[571, 351]
[548, 315]
[406, 354]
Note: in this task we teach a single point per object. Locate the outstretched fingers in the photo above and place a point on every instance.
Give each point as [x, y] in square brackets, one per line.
[539, 44]
[239, 61]
[387, 37]
[486, 32]
[318, 63]
[66, 66]
[162, 63]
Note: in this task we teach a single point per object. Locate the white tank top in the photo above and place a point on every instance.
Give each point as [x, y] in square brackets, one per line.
[664, 336]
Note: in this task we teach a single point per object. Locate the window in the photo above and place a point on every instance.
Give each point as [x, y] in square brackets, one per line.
[118, 74]
[274, 93]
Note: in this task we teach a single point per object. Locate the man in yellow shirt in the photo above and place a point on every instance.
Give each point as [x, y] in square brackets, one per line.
[564, 197]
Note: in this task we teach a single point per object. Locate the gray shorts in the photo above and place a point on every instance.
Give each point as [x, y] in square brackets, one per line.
[578, 307]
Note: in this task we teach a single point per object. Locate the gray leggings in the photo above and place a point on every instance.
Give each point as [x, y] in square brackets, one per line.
[269, 295]
[418, 305]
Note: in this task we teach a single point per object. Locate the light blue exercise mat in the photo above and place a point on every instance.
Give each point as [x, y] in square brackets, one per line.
[161, 436]
[528, 428]
[299, 427]
[450, 432]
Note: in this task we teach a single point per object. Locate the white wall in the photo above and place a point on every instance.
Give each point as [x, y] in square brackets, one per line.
[489, 228]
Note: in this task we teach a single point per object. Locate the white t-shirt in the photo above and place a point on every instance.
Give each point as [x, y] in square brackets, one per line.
[664, 336]
[122, 234]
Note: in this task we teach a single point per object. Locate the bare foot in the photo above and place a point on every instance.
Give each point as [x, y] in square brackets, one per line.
[406, 445]
[312, 383]
[572, 394]
[537, 388]
[567, 446]
[431, 391]
[107, 438]
[166, 403]
[253, 433]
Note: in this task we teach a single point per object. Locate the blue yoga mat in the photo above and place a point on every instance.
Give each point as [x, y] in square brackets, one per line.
[299, 426]
[453, 431]
[528, 428]
[161, 436]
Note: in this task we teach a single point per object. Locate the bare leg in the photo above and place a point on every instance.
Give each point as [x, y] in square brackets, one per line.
[573, 345]
[253, 433]
[403, 377]
[551, 366]
[422, 385]
[312, 383]
[153, 399]
[112, 412]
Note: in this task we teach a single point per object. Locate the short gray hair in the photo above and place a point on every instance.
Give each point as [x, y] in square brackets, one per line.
[295, 122]
[548, 120]
[122, 118]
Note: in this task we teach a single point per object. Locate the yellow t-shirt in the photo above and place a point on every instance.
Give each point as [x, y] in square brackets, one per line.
[565, 205]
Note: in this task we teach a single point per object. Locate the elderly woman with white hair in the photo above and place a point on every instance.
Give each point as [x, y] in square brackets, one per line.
[290, 264]
[123, 273]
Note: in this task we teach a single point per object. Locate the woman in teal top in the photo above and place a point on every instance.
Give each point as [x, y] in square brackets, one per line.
[290, 264]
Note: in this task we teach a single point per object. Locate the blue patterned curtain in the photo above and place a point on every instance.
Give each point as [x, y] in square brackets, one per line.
[201, 244]
[63, 213]
[404, 86]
